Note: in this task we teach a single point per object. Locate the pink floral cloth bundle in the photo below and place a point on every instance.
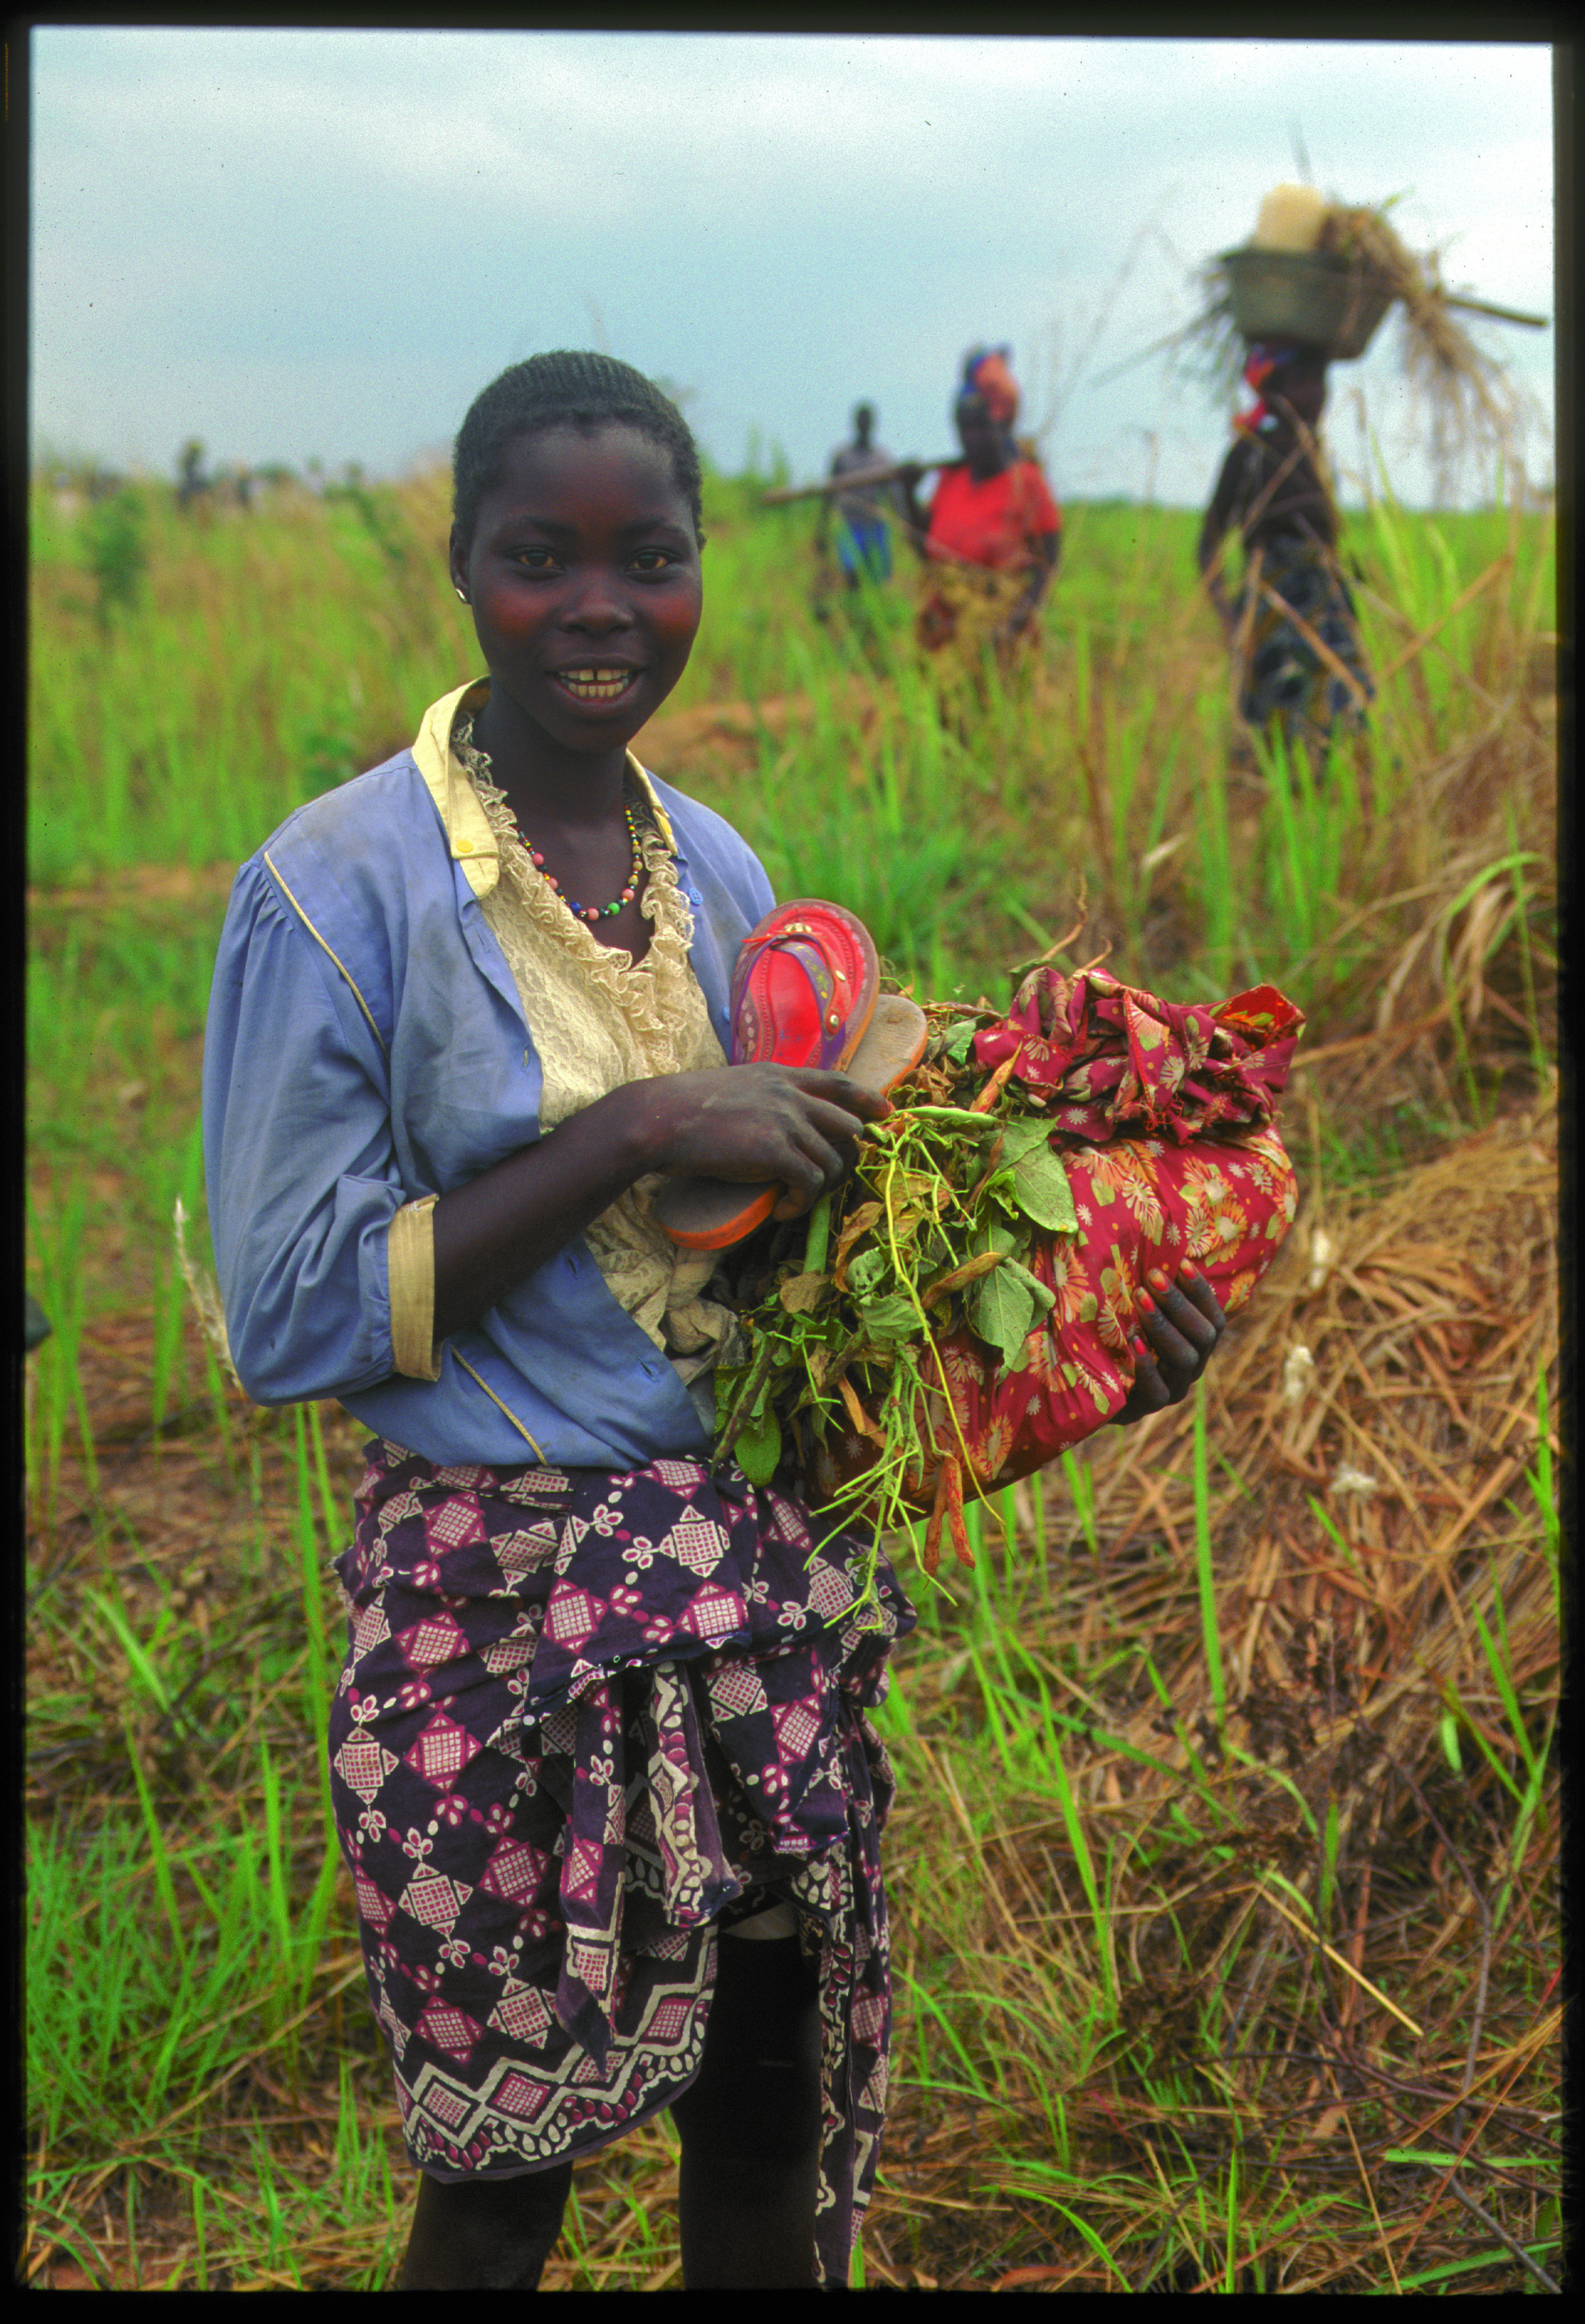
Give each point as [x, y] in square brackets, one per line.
[1163, 1117]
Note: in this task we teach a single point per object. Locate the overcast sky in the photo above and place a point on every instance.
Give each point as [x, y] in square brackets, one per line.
[301, 244]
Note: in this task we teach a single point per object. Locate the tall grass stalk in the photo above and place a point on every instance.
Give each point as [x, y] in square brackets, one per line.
[1205, 1563]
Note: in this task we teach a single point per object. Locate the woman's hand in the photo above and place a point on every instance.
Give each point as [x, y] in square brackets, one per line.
[786, 1125]
[792, 1125]
[916, 521]
[1041, 548]
[1216, 591]
[1181, 1324]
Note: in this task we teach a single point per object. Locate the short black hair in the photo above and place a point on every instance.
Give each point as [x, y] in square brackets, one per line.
[569, 388]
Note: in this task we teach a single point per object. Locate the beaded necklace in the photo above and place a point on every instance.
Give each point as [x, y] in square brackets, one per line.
[464, 743]
[591, 911]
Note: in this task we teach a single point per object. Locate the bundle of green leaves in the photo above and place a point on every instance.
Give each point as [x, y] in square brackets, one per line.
[933, 1228]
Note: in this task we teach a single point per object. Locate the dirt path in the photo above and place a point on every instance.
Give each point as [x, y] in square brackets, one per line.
[733, 729]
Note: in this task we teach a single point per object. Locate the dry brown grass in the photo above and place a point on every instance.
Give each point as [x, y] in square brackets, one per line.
[1326, 1940]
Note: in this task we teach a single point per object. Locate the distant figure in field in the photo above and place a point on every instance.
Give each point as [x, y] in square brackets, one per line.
[192, 486]
[993, 533]
[1292, 628]
[864, 536]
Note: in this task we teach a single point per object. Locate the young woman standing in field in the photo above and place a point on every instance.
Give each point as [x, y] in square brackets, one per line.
[599, 1758]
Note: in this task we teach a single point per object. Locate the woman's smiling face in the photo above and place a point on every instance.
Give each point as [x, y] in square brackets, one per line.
[582, 574]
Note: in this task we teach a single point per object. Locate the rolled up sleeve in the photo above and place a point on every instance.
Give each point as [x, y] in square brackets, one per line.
[300, 1165]
[412, 1290]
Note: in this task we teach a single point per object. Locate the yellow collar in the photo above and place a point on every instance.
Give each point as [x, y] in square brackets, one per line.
[467, 827]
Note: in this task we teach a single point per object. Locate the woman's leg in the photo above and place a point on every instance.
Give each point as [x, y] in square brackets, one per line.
[749, 2123]
[485, 2234]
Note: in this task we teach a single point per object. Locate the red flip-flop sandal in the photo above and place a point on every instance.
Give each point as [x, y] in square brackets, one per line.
[803, 993]
[803, 988]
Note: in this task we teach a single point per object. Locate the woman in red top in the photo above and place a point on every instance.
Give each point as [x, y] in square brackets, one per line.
[993, 532]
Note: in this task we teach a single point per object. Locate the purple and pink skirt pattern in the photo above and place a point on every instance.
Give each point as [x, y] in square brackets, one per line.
[585, 1720]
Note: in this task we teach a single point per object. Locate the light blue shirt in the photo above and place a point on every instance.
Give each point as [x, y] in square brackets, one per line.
[365, 1047]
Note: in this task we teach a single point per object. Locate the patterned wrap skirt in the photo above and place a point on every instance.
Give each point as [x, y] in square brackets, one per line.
[1283, 678]
[585, 1719]
[963, 612]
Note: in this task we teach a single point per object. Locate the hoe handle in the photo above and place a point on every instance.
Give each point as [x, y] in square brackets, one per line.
[856, 486]
[1502, 314]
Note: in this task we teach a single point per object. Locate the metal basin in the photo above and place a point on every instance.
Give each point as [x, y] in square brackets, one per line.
[1312, 296]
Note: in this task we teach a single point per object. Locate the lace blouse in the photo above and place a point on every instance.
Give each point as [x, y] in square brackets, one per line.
[601, 1019]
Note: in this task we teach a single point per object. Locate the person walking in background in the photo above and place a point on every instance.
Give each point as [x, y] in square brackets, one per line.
[1292, 628]
[992, 535]
[863, 535]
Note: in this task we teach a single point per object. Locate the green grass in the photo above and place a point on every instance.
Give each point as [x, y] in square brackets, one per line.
[1084, 1922]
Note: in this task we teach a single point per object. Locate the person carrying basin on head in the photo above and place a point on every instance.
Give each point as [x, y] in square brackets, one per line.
[1292, 628]
[992, 534]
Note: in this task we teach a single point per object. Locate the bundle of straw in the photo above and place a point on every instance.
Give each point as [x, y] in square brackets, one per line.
[1471, 399]
[1468, 394]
